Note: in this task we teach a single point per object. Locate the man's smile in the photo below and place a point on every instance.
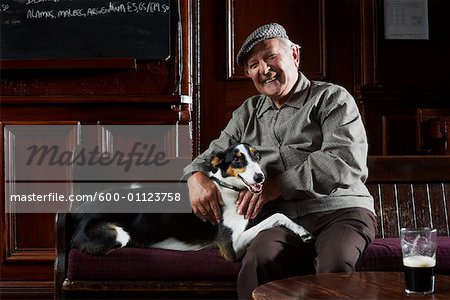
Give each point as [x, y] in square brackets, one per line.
[271, 79]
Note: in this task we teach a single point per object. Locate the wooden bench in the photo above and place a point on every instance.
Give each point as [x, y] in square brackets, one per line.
[408, 191]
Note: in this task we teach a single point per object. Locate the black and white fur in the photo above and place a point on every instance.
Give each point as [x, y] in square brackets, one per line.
[233, 170]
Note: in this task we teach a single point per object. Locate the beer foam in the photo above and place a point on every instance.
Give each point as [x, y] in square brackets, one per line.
[419, 261]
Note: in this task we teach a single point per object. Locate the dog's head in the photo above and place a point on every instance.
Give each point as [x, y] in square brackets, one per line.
[238, 166]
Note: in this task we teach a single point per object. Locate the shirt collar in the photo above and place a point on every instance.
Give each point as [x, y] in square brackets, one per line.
[295, 100]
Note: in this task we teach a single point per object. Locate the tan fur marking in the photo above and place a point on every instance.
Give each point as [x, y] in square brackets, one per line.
[223, 252]
[235, 172]
[215, 160]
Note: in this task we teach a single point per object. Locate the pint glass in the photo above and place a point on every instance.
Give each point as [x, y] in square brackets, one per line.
[419, 259]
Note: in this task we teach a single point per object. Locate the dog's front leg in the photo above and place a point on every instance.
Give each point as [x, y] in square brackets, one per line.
[242, 240]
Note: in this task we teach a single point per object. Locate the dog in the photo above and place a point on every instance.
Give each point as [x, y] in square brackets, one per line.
[232, 170]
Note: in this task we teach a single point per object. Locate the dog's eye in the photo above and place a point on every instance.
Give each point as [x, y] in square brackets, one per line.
[236, 159]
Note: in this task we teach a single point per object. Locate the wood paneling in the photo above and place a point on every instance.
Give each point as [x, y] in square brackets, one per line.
[390, 116]
[325, 30]
[416, 63]
[26, 236]
[244, 16]
[432, 128]
[394, 126]
[89, 93]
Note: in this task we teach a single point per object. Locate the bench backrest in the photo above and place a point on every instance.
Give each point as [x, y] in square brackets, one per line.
[410, 191]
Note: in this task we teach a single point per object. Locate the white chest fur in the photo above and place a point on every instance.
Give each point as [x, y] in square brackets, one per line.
[231, 219]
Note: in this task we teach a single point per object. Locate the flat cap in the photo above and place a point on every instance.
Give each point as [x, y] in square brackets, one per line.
[265, 32]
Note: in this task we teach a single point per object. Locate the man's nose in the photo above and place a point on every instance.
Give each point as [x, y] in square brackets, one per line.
[264, 68]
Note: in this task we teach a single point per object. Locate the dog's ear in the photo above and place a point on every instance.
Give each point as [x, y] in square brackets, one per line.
[254, 153]
[216, 160]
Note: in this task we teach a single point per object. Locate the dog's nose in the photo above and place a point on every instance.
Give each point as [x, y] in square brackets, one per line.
[259, 177]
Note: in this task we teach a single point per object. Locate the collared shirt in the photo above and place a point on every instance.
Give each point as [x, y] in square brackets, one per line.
[315, 145]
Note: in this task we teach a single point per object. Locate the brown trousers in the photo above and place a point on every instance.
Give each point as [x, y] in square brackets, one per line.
[341, 237]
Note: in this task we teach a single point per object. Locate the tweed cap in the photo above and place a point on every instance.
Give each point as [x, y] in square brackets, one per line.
[262, 33]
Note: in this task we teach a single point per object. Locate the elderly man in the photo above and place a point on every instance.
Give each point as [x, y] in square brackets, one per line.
[314, 152]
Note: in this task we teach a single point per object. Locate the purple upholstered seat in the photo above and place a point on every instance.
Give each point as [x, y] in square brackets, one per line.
[158, 264]
[151, 264]
[386, 255]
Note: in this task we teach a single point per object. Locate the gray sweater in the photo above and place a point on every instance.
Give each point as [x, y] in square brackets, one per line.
[315, 146]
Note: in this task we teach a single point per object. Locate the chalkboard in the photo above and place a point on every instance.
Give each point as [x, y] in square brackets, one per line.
[63, 29]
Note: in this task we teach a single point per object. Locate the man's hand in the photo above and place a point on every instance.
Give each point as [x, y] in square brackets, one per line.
[249, 204]
[205, 198]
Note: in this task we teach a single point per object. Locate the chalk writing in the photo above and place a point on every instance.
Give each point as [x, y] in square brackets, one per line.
[139, 29]
[110, 8]
[42, 1]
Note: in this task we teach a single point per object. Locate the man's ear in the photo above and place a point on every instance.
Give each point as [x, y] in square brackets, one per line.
[246, 71]
[295, 52]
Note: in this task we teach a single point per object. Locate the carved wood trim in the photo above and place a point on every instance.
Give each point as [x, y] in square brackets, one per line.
[367, 41]
[153, 286]
[89, 99]
[174, 134]
[26, 289]
[12, 252]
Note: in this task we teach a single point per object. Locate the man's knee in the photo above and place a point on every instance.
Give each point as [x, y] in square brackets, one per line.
[340, 261]
[265, 247]
[261, 263]
[278, 252]
[341, 254]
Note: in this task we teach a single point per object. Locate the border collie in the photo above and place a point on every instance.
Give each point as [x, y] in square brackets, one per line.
[233, 170]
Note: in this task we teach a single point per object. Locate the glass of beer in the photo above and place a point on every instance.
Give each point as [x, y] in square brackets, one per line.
[419, 259]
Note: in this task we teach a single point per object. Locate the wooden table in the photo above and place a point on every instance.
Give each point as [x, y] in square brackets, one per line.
[358, 285]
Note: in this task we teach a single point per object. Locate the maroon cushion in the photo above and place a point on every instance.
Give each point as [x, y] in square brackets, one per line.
[159, 264]
[386, 255]
[151, 264]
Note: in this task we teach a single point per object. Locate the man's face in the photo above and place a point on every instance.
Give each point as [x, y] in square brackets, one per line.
[273, 67]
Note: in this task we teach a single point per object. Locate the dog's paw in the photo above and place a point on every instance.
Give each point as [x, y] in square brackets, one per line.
[307, 237]
[303, 234]
[122, 237]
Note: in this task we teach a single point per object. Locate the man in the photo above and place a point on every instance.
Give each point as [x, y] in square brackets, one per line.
[314, 151]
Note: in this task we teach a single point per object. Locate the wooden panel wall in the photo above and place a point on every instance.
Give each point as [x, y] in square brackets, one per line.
[244, 16]
[50, 92]
[342, 42]
[416, 63]
[403, 76]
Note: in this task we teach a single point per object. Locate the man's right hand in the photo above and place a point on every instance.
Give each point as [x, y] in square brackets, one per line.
[206, 200]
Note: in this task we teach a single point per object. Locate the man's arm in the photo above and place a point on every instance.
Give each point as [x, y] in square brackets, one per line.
[203, 194]
[205, 198]
[342, 159]
[250, 204]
